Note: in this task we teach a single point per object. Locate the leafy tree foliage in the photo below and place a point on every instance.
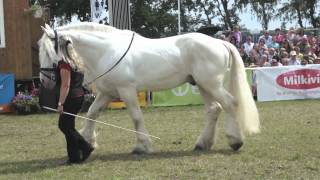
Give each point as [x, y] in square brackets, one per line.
[65, 9]
[158, 18]
[263, 9]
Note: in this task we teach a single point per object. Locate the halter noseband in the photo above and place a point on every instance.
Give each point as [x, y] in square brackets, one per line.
[56, 41]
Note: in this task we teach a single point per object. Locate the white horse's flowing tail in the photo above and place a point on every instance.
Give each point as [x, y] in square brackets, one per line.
[247, 113]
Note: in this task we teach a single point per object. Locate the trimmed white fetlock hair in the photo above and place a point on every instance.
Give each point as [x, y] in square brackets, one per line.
[90, 137]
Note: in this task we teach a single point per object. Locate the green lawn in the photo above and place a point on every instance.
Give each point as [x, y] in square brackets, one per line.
[32, 147]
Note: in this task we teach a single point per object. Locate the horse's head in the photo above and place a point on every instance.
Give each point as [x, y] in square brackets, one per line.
[51, 51]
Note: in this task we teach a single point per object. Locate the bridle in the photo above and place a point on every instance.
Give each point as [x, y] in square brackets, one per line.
[54, 68]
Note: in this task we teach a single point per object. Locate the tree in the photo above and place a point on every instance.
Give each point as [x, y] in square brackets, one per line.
[292, 10]
[310, 12]
[229, 16]
[262, 9]
[66, 9]
[153, 18]
[300, 10]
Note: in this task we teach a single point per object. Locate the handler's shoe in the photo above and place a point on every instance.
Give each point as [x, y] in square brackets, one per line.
[86, 153]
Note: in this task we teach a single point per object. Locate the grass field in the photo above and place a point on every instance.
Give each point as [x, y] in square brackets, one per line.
[287, 148]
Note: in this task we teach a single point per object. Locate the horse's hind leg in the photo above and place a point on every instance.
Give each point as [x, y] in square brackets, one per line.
[207, 136]
[233, 131]
[88, 131]
[129, 96]
[229, 104]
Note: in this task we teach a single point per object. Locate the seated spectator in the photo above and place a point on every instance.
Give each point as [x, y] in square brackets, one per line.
[293, 59]
[248, 45]
[287, 45]
[264, 61]
[284, 55]
[299, 54]
[267, 39]
[272, 54]
[275, 62]
[309, 52]
[261, 46]
[285, 61]
[316, 49]
[305, 60]
[303, 44]
[254, 57]
[316, 61]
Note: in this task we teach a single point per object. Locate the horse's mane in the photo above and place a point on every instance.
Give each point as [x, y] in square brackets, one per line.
[88, 26]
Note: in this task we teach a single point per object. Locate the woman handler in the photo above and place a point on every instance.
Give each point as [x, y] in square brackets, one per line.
[70, 100]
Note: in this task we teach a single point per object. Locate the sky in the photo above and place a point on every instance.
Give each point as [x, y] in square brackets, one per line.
[251, 23]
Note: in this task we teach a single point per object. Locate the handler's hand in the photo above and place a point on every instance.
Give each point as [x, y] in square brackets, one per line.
[60, 109]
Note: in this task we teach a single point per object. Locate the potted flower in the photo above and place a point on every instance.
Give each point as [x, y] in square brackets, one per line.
[24, 103]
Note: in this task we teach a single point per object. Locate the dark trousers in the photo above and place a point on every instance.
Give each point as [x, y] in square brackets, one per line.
[75, 142]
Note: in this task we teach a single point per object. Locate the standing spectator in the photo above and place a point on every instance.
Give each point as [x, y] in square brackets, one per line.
[248, 45]
[267, 38]
[299, 37]
[237, 34]
[274, 44]
[312, 40]
[278, 37]
[291, 34]
[233, 41]
[293, 59]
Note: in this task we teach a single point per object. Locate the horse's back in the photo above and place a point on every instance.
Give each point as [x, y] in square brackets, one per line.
[167, 62]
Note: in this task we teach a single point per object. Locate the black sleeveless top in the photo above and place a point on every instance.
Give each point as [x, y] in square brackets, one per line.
[75, 89]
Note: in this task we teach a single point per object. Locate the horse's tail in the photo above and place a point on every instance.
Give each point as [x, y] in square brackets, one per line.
[247, 113]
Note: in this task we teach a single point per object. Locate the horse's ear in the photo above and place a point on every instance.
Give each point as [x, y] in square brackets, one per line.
[47, 26]
[48, 31]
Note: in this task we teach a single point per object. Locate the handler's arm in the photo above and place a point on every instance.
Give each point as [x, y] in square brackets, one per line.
[64, 89]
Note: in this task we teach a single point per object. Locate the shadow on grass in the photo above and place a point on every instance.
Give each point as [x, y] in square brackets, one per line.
[18, 167]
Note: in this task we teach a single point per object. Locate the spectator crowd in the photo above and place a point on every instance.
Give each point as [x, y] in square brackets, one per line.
[279, 48]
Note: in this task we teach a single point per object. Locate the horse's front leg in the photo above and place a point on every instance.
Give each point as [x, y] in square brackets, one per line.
[129, 96]
[88, 131]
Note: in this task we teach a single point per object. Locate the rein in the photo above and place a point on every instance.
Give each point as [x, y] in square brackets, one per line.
[125, 53]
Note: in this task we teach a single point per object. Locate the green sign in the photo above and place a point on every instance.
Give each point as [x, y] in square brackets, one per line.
[185, 94]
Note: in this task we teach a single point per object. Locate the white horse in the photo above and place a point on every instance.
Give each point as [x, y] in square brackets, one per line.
[121, 63]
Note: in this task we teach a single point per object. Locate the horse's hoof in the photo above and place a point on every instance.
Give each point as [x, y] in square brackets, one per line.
[236, 146]
[198, 148]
